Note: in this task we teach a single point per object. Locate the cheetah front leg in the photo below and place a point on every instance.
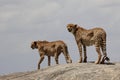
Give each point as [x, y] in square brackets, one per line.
[41, 59]
[80, 51]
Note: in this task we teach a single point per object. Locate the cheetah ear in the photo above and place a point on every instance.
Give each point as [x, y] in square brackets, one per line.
[75, 25]
[35, 43]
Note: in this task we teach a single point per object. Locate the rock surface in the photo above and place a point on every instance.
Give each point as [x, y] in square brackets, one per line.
[74, 71]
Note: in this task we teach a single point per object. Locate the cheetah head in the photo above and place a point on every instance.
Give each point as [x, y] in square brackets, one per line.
[34, 45]
[72, 28]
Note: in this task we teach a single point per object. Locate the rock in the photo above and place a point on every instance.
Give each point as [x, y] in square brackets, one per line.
[74, 71]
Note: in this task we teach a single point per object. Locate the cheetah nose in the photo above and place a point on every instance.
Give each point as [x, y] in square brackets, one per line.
[32, 47]
[69, 29]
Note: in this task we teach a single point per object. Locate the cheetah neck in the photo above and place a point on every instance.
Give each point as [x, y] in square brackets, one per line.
[75, 31]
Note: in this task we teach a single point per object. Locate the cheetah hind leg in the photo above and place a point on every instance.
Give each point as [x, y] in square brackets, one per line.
[105, 58]
[85, 59]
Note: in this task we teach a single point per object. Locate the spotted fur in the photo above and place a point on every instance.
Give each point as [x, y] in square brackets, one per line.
[49, 49]
[84, 37]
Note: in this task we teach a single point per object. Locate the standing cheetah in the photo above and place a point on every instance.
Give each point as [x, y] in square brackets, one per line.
[84, 37]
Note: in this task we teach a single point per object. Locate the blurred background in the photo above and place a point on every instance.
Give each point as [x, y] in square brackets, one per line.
[24, 21]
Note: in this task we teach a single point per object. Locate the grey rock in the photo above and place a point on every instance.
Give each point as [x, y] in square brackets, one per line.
[74, 71]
